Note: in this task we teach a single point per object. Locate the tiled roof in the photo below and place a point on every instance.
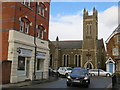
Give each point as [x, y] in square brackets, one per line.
[116, 31]
[70, 44]
[77, 44]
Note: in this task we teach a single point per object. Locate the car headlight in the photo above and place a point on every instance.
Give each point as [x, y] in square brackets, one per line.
[86, 78]
[69, 77]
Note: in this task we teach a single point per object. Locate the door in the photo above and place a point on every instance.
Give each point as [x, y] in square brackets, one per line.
[111, 67]
[27, 68]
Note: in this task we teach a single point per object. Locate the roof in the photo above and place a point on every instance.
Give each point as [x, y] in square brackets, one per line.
[116, 31]
[75, 44]
[69, 44]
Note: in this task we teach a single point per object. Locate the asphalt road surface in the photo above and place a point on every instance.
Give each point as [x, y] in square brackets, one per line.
[95, 82]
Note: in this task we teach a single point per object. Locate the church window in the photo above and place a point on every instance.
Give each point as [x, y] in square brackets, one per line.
[90, 28]
[64, 60]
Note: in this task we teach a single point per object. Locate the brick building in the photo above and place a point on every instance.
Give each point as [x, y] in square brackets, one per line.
[113, 47]
[25, 28]
[87, 53]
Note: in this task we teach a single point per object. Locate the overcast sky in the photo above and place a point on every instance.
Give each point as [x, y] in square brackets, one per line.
[66, 19]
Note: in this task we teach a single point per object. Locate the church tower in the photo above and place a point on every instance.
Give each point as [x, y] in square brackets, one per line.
[90, 38]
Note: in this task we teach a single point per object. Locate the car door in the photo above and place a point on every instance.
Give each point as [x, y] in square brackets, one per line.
[102, 73]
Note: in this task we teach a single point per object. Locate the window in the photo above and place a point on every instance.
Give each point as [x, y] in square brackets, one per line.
[51, 60]
[26, 27]
[26, 3]
[40, 64]
[42, 34]
[79, 60]
[21, 63]
[21, 26]
[115, 52]
[24, 24]
[90, 28]
[64, 60]
[67, 60]
[41, 9]
[38, 32]
[76, 60]
[118, 40]
[87, 28]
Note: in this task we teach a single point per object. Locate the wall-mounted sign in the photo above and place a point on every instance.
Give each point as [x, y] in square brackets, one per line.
[41, 55]
[24, 52]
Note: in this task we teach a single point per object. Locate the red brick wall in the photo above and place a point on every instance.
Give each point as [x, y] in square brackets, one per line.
[112, 43]
[11, 12]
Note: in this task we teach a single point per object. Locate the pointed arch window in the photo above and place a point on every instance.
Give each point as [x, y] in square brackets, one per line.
[90, 28]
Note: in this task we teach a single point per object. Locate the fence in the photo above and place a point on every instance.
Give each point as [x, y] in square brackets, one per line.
[46, 75]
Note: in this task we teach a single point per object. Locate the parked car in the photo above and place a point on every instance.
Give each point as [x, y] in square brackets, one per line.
[64, 71]
[78, 76]
[94, 72]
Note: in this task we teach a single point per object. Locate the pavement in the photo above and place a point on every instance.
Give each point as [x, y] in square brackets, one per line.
[27, 83]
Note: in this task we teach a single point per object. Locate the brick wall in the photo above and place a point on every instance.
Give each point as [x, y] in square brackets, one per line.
[6, 71]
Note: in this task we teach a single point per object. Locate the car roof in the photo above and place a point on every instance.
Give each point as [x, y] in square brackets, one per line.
[79, 68]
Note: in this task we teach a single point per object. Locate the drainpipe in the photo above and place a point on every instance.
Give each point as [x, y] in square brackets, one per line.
[34, 73]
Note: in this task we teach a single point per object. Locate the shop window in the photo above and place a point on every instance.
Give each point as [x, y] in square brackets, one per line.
[40, 64]
[21, 63]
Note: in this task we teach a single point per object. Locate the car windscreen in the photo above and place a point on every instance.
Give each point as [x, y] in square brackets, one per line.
[69, 68]
[79, 71]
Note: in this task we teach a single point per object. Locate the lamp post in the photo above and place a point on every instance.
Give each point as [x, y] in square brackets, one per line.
[98, 68]
[34, 75]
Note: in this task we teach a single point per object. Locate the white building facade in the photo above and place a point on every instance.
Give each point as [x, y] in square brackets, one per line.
[21, 52]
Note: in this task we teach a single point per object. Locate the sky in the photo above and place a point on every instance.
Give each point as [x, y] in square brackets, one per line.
[66, 19]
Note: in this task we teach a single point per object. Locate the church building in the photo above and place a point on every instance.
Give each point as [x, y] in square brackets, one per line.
[86, 53]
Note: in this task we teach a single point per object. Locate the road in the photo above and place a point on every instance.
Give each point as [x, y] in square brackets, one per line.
[96, 82]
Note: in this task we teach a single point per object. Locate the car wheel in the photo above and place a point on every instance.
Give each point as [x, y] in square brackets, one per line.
[66, 74]
[108, 75]
[92, 74]
[68, 84]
